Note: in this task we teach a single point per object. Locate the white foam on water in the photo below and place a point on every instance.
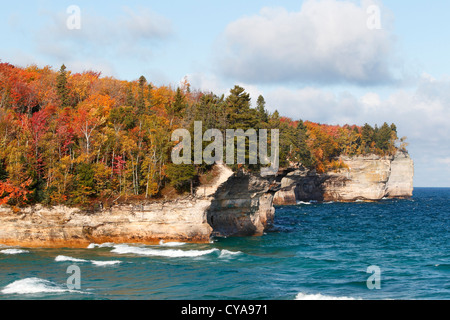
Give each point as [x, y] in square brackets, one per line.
[171, 244]
[14, 251]
[303, 202]
[171, 253]
[105, 263]
[228, 254]
[303, 296]
[65, 258]
[94, 262]
[34, 286]
[103, 245]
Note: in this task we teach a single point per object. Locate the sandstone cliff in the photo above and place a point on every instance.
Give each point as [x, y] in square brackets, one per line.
[182, 220]
[231, 205]
[243, 206]
[367, 178]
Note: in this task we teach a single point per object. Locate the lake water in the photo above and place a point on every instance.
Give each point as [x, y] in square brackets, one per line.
[316, 251]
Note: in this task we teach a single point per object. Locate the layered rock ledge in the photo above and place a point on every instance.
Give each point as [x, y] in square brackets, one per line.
[231, 205]
[368, 178]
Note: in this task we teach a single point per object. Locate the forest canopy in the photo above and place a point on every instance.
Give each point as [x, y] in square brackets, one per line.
[79, 138]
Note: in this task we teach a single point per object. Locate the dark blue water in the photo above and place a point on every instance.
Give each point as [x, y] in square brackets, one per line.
[317, 251]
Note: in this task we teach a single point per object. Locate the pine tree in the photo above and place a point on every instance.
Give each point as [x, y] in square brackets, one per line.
[261, 109]
[304, 154]
[383, 137]
[141, 98]
[240, 115]
[182, 176]
[130, 101]
[62, 87]
[367, 137]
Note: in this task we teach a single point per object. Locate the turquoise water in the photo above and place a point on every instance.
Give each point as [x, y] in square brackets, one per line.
[317, 251]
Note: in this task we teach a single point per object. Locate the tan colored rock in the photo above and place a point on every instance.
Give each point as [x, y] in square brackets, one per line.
[368, 178]
[365, 179]
[401, 179]
[247, 210]
[66, 227]
[243, 206]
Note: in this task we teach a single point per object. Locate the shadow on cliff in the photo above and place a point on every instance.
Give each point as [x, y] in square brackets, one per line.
[239, 206]
[300, 185]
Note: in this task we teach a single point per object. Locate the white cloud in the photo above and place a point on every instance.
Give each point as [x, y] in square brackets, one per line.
[131, 36]
[327, 41]
[208, 82]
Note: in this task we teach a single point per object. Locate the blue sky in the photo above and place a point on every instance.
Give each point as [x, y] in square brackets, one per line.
[312, 59]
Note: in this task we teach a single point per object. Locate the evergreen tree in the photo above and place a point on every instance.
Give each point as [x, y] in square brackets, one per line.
[130, 101]
[394, 128]
[84, 184]
[240, 115]
[383, 137]
[179, 103]
[182, 177]
[304, 154]
[62, 87]
[141, 99]
[367, 136]
[261, 109]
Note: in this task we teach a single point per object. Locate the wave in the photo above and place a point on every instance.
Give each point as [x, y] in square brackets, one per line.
[94, 262]
[303, 202]
[171, 244]
[33, 286]
[105, 263]
[171, 253]
[13, 251]
[304, 296]
[228, 254]
[103, 245]
[112, 245]
[70, 259]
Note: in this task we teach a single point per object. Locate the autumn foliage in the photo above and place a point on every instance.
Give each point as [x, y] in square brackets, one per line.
[81, 138]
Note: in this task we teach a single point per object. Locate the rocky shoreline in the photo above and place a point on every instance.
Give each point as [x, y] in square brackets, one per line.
[239, 204]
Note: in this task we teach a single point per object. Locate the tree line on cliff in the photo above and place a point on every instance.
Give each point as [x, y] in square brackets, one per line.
[74, 138]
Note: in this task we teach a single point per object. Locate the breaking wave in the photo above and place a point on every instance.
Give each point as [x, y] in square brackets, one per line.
[13, 251]
[171, 253]
[171, 244]
[304, 296]
[94, 262]
[228, 254]
[34, 286]
[105, 263]
[104, 245]
[70, 259]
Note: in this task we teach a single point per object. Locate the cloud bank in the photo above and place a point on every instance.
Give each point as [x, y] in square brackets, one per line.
[326, 42]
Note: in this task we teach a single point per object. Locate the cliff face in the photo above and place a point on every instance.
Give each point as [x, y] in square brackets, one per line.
[367, 178]
[243, 206]
[231, 205]
[182, 220]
